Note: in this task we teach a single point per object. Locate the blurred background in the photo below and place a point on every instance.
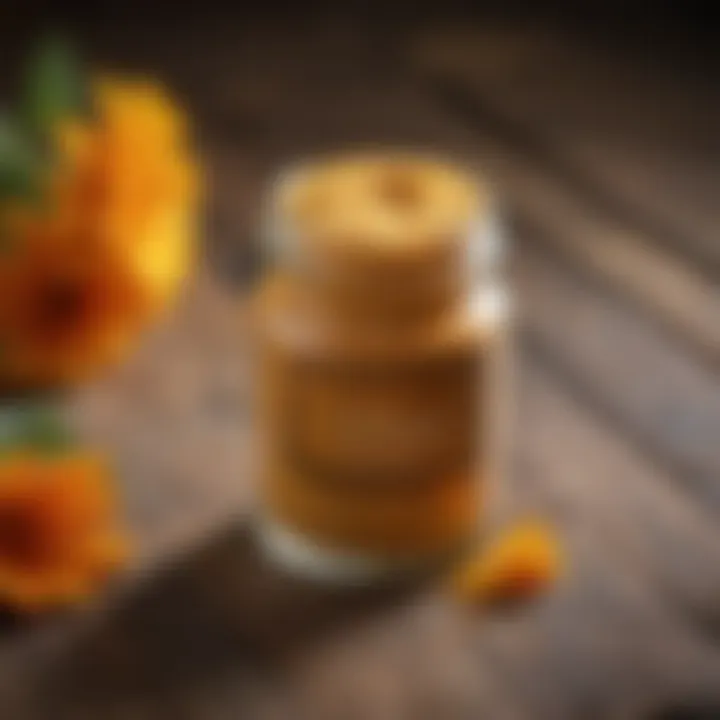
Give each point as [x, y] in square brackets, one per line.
[598, 124]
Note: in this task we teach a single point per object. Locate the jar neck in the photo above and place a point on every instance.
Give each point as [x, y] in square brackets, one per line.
[382, 302]
[410, 290]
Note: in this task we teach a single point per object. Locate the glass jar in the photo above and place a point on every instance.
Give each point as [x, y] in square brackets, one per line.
[380, 332]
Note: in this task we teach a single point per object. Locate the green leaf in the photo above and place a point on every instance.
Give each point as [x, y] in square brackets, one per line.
[35, 428]
[54, 86]
[21, 165]
[45, 432]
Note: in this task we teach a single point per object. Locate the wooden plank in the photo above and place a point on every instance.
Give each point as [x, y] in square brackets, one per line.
[628, 262]
[569, 216]
[631, 542]
[669, 293]
[638, 138]
[628, 370]
[625, 500]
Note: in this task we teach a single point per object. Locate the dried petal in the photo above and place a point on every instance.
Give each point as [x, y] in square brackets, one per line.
[518, 565]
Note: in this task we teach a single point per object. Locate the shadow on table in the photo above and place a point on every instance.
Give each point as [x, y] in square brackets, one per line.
[219, 612]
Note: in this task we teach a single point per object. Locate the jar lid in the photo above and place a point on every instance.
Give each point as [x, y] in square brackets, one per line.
[383, 226]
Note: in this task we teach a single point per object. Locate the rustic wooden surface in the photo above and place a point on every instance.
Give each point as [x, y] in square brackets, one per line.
[607, 156]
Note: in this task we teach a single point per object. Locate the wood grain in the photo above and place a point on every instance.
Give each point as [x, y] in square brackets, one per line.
[635, 377]
[639, 138]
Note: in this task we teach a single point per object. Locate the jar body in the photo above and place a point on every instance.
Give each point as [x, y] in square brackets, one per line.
[380, 442]
[381, 335]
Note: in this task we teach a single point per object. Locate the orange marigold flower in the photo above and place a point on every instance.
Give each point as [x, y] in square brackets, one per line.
[520, 564]
[65, 310]
[58, 537]
[131, 172]
[87, 269]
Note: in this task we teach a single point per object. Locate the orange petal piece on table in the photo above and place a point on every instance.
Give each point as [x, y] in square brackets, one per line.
[518, 565]
[59, 538]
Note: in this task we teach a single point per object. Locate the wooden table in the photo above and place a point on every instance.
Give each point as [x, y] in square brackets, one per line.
[607, 157]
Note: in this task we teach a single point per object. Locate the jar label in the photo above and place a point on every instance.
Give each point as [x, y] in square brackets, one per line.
[373, 424]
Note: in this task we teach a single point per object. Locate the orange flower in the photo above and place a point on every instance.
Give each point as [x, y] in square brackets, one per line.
[520, 564]
[86, 271]
[65, 310]
[58, 540]
[131, 174]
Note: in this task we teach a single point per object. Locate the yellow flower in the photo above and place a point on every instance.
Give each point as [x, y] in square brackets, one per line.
[58, 538]
[520, 564]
